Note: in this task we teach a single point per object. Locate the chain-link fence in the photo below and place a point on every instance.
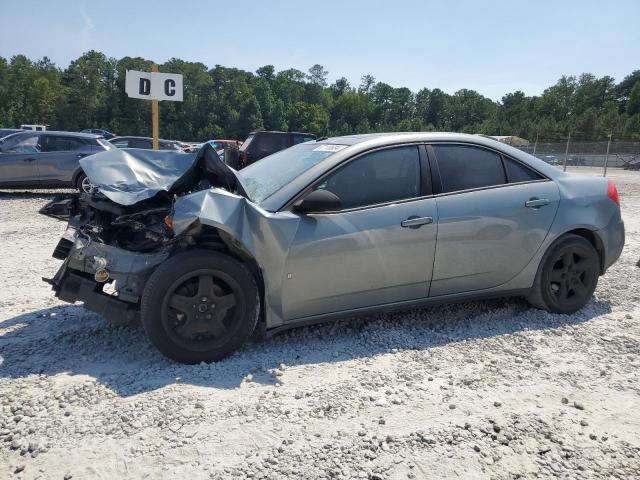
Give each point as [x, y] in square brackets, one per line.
[603, 154]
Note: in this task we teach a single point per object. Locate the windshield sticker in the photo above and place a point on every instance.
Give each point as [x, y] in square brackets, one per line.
[329, 148]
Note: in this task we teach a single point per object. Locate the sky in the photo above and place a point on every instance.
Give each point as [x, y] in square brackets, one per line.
[493, 47]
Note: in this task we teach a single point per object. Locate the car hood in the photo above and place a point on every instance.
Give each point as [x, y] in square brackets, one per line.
[129, 176]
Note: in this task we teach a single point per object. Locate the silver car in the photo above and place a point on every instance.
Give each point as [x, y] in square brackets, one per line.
[325, 229]
[47, 159]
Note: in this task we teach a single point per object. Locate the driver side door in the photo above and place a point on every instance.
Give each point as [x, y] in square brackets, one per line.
[378, 248]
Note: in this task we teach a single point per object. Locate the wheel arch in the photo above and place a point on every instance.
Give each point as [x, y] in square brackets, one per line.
[212, 238]
[76, 175]
[593, 238]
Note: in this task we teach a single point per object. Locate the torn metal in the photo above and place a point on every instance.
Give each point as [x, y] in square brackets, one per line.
[129, 176]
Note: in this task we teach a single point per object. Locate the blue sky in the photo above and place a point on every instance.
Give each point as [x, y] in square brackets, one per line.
[493, 47]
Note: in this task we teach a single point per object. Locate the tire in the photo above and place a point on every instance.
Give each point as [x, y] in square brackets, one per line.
[191, 319]
[82, 185]
[567, 276]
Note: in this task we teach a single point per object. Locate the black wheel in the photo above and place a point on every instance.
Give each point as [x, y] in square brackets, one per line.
[200, 306]
[83, 184]
[567, 276]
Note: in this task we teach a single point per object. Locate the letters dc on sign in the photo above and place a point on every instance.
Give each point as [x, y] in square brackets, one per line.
[153, 85]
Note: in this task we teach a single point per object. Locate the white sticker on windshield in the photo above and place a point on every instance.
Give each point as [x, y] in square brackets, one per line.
[329, 148]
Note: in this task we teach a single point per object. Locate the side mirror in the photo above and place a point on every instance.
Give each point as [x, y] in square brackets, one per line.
[318, 201]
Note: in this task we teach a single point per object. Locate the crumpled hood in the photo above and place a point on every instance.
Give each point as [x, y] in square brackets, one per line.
[128, 176]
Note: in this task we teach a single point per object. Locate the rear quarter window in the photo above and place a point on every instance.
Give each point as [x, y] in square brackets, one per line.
[517, 172]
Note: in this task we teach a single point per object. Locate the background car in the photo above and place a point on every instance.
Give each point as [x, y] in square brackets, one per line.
[8, 131]
[47, 159]
[107, 135]
[144, 142]
[260, 144]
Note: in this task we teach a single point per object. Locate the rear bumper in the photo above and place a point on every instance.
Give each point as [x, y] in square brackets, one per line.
[612, 237]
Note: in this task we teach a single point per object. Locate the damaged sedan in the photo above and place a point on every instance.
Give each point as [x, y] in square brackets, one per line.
[207, 256]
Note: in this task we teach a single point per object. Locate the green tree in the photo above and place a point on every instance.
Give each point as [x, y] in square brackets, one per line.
[633, 105]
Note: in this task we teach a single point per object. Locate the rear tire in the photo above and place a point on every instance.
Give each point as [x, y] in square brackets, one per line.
[567, 276]
[200, 306]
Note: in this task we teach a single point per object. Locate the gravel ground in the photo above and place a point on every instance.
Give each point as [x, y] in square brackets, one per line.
[489, 389]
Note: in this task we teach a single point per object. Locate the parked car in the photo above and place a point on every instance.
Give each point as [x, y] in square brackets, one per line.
[8, 131]
[48, 159]
[260, 144]
[144, 142]
[334, 228]
[107, 135]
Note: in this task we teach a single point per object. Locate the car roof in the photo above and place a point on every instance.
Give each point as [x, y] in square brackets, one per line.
[141, 138]
[284, 133]
[357, 144]
[61, 133]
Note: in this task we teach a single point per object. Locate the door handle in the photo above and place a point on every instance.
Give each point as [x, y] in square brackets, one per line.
[81, 155]
[416, 222]
[536, 202]
[29, 159]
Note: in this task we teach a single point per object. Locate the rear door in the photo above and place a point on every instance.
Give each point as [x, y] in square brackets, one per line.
[18, 160]
[494, 213]
[377, 250]
[60, 158]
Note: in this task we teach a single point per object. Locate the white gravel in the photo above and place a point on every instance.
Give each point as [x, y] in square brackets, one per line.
[489, 389]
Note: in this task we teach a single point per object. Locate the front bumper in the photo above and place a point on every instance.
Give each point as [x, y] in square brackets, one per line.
[127, 271]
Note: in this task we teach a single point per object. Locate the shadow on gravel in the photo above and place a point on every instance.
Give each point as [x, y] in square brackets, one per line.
[73, 340]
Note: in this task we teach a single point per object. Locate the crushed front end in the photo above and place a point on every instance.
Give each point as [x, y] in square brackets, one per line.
[118, 234]
[109, 253]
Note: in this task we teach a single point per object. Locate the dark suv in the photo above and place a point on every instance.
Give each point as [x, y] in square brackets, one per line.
[260, 144]
[47, 159]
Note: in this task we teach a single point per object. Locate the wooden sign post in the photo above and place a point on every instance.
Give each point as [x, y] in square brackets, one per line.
[154, 86]
[155, 115]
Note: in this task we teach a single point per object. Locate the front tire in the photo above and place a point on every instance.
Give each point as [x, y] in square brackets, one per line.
[200, 306]
[83, 184]
[567, 276]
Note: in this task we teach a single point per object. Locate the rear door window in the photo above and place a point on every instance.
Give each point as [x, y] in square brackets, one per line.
[464, 167]
[55, 143]
[377, 177]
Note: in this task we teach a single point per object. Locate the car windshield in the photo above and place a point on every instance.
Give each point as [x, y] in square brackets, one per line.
[265, 177]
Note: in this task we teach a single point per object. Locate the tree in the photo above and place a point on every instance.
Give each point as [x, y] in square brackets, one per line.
[633, 105]
[318, 75]
[230, 102]
[267, 72]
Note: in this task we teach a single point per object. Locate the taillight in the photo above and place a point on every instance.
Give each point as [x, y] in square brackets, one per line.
[612, 192]
[245, 159]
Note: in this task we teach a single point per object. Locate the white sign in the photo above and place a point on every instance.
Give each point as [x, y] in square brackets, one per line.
[154, 85]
